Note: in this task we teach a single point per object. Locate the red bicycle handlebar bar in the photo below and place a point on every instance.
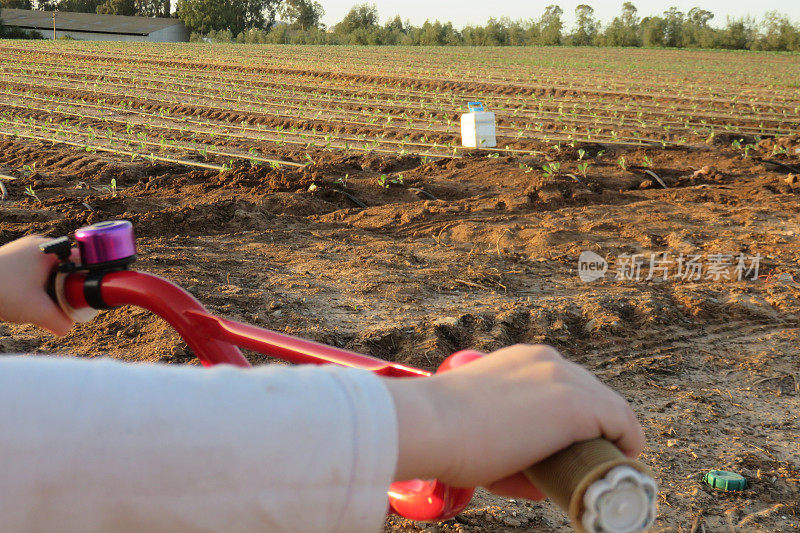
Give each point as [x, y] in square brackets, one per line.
[214, 341]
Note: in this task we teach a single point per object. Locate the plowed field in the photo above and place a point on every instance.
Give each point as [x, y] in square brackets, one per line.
[323, 192]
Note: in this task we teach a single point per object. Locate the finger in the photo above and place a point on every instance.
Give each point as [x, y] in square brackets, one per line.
[620, 426]
[617, 421]
[50, 317]
[516, 486]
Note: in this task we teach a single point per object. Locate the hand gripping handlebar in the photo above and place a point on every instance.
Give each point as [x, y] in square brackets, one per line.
[600, 489]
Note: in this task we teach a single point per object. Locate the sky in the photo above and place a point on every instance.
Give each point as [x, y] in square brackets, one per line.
[464, 12]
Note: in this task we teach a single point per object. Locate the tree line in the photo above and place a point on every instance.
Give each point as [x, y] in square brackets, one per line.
[299, 22]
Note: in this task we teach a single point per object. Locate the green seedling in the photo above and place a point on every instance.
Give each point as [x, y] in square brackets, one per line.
[647, 162]
[581, 154]
[111, 188]
[778, 151]
[551, 169]
[527, 168]
[30, 192]
[342, 181]
[583, 167]
[385, 181]
[623, 164]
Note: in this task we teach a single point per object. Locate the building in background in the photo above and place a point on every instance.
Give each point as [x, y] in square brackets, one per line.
[92, 27]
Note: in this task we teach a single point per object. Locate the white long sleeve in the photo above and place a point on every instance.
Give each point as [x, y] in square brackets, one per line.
[101, 446]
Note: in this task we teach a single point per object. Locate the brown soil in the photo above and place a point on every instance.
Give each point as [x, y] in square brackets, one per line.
[482, 252]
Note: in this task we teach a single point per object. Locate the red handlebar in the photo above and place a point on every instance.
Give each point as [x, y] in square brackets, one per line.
[214, 341]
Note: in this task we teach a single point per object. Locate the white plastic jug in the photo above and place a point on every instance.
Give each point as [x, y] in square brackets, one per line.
[478, 129]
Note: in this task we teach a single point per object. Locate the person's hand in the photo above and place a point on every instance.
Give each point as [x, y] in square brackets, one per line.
[24, 271]
[485, 422]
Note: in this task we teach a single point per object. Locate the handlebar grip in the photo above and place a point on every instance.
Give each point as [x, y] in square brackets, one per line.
[599, 488]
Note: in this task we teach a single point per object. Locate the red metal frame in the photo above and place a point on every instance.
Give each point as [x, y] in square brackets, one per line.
[214, 340]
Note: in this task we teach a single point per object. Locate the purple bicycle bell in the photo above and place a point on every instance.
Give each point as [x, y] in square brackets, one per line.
[106, 242]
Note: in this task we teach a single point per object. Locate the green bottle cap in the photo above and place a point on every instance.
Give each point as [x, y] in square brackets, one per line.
[722, 480]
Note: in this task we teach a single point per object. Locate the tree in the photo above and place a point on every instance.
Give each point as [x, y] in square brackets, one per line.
[738, 34]
[496, 32]
[302, 14]
[624, 30]
[78, 6]
[395, 24]
[550, 26]
[117, 7]
[204, 16]
[515, 32]
[360, 17]
[778, 33]
[432, 34]
[696, 32]
[149, 8]
[586, 26]
[673, 27]
[653, 30]
[16, 4]
[254, 14]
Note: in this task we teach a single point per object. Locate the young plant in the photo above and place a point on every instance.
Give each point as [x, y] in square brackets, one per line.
[778, 151]
[342, 181]
[623, 164]
[583, 167]
[648, 162]
[30, 192]
[552, 169]
[111, 188]
[527, 168]
[385, 181]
